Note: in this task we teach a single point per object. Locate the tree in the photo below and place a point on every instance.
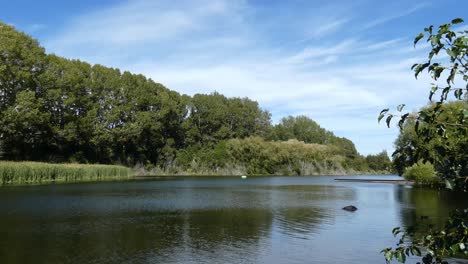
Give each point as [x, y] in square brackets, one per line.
[379, 161]
[437, 122]
[433, 121]
[447, 154]
[301, 128]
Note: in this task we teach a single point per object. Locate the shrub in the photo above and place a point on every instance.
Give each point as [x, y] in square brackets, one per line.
[421, 173]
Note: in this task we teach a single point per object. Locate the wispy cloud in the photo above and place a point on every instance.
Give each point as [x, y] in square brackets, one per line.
[401, 13]
[328, 27]
[147, 22]
[314, 52]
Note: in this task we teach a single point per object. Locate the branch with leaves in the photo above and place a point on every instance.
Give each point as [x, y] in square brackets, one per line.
[455, 45]
[431, 124]
[451, 240]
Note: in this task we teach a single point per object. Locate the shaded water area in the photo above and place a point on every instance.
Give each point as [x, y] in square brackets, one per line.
[212, 220]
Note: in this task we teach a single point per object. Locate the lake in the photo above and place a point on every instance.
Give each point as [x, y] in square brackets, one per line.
[212, 220]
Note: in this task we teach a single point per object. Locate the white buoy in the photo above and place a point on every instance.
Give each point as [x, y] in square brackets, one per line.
[244, 177]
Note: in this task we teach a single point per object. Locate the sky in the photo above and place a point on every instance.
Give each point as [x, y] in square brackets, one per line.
[337, 62]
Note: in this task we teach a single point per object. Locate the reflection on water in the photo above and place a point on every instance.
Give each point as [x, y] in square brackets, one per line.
[422, 207]
[209, 220]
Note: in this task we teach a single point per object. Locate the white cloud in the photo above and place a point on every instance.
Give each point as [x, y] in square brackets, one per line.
[145, 22]
[328, 27]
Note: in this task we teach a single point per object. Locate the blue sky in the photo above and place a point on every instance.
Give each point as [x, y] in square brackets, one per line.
[338, 62]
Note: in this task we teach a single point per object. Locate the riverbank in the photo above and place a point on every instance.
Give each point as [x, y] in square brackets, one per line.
[399, 182]
[309, 169]
[23, 173]
[29, 173]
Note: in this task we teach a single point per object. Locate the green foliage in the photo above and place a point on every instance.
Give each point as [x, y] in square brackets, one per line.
[435, 244]
[379, 162]
[22, 61]
[285, 157]
[439, 126]
[214, 118]
[446, 153]
[440, 135]
[37, 172]
[421, 173]
[301, 128]
[304, 129]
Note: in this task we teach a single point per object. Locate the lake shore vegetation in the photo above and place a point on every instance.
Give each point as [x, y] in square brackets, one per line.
[14, 173]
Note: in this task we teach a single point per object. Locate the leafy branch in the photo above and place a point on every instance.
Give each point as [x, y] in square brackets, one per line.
[455, 45]
[451, 240]
[430, 124]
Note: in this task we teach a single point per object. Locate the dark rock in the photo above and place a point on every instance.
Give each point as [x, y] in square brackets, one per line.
[350, 208]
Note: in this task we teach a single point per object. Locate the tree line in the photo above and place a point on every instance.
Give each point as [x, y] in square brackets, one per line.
[54, 109]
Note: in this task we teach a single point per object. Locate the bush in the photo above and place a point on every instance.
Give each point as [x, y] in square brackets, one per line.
[421, 173]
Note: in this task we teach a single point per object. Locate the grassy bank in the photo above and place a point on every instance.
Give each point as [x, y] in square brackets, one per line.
[37, 172]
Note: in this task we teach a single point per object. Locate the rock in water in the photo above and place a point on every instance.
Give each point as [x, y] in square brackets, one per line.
[350, 208]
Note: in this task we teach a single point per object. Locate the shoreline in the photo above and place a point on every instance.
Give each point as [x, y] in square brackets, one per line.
[259, 175]
[400, 182]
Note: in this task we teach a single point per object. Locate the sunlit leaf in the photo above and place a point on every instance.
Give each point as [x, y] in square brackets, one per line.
[418, 37]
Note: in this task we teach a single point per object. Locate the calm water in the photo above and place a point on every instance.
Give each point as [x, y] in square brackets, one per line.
[211, 220]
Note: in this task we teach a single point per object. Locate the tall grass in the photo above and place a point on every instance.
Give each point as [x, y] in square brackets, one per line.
[38, 172]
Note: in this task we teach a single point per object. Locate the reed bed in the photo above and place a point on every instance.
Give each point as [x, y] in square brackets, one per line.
[37, 172]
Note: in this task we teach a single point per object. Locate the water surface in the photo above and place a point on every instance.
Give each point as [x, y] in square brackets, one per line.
[211, 220]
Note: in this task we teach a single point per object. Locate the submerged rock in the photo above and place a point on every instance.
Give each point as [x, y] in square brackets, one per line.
[350, 208]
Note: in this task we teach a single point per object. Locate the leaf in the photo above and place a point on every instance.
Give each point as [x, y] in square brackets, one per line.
[388, 120]
[437, 72]
[420, 68]
[384, 111]
[433, 90]
[429, 29]
[457, 21]
[444, 94]
[453, 71]
[401, 257]
[388, 255]
[458, 93]
[417, 70]
[380, 117]
[415, 251]
[395, 231]
[418, 37]
[402, 120]
[400, 107]
[435, 40]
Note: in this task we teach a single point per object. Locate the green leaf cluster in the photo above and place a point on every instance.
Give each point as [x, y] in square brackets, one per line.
[435, 244]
